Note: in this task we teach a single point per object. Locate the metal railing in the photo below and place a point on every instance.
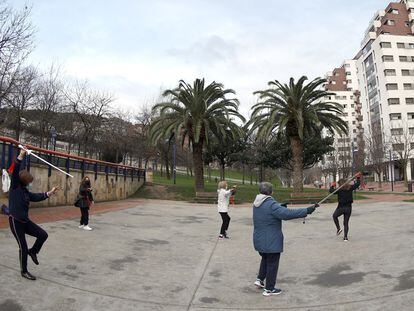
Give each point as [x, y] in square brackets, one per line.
[68, 162]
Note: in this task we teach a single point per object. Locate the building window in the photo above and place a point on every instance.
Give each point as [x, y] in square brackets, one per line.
[395, 116]
[410, 115]
[409, 101]
[403, 59]
[394, 11]
[411, 130]
[348, 73]
[390, 22]
[407, 24]
[411, 45]
[333, 82]
[393, 101]
[408, 86]
[400, 45]
[397, 132]
[406, 72]
[398, 147]
[390, 72]
[387, 58]
[391, 86]
[349, 81]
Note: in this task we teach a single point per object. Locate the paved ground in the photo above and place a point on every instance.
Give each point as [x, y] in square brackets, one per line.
[163, 255]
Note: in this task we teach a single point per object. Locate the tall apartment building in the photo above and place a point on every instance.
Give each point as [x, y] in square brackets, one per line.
[343, 81]
[385, 82]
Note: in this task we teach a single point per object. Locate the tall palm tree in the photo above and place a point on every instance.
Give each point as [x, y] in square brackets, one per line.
[296, 109]
[194, 112]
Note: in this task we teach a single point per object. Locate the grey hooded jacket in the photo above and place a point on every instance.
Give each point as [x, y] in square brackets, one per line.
[267, 220]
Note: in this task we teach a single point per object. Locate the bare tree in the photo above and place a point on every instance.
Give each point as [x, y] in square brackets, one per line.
[376, 154]
[92, 108]
[16, 34]
[402, 141]
[21, 98]
[48, 103]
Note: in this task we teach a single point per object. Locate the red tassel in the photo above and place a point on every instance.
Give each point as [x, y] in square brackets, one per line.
[11, 168]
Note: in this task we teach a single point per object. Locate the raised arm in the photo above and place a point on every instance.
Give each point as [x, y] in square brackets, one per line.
[356, 184]
[285, 213]
[15, 180]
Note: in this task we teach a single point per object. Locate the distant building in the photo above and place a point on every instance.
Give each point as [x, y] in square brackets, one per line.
[380, 80]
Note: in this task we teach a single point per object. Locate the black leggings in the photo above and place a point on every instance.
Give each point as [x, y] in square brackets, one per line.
[84, 216]
[19, 230]
[226, 222]
[346, 211]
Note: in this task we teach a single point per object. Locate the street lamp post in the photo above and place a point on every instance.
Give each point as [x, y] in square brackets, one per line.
[391, 171]
[53, 135]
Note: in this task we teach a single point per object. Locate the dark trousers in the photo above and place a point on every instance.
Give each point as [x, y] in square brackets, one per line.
[226, 222]
[268, 269]
[19, 230]
[346, 211]
[84, 216]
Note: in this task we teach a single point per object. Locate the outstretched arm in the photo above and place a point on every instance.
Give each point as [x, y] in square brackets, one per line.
[285, 213]
[37, 197]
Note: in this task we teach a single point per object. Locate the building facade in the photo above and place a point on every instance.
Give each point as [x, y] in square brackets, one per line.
[382, 79]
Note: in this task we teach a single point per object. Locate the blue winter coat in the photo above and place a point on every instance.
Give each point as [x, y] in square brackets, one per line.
[267, 220]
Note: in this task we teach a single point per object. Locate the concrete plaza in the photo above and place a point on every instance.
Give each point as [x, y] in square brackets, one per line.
[162, 255]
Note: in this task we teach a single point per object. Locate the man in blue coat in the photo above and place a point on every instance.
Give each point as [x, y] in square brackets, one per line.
[268, 236]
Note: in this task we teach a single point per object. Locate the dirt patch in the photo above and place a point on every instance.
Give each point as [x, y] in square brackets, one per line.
[159, 192]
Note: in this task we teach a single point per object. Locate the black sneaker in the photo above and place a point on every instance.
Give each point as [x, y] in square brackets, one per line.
[346, 239]
[273, 292]
[221, 237]
[34, 257]
[338, 232]
[28, 276]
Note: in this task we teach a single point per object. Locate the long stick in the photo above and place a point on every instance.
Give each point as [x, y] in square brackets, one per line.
[43, 160]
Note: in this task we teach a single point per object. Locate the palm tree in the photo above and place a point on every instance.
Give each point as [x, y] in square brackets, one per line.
[194, 112]
[296, 109]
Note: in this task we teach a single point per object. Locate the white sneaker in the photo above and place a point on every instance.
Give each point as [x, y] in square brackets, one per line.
[259, 283]
[81, 226]
[87, 228]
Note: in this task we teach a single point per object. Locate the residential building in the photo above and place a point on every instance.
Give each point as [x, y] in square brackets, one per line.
[384, 78]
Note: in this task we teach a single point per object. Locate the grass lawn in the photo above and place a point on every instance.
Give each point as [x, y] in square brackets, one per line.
[184, 190]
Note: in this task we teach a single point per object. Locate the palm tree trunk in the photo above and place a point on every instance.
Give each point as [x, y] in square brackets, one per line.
[198, 166]
[297, 149]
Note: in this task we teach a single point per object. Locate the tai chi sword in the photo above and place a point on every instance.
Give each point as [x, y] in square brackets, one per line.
[30, 152]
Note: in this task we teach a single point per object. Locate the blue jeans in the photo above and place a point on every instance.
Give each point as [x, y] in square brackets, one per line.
[268, 269]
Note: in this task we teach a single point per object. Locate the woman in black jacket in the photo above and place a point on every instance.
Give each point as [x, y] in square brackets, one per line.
[84, 202]
[20, 224]
[345, 200]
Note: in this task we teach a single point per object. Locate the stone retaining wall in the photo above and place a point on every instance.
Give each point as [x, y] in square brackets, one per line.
[104, 189]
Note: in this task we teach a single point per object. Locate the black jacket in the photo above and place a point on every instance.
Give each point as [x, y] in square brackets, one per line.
[20, 197]
[85, 197]
[345, 198]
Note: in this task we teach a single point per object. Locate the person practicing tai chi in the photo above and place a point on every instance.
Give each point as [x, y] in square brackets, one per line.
[20, 224]
[268, 237]
[345, 200]
[84, 202]
[223, 202]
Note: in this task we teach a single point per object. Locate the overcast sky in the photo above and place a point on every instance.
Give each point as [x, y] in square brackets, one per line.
[135, 48]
